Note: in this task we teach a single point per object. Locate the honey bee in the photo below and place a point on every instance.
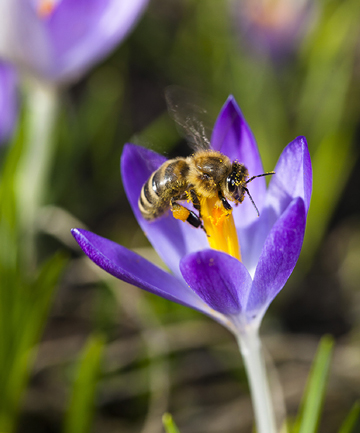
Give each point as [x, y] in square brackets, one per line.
[205, 174]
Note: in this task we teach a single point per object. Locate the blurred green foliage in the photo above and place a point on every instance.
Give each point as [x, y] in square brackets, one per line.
[25, 296]
[82, 401]
[310, 410]
[170, 426]
[350, 422]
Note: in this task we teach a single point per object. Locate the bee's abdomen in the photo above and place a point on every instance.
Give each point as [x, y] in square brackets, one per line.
[167, 182]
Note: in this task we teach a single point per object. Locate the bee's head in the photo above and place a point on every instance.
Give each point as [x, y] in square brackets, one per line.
[235, 182]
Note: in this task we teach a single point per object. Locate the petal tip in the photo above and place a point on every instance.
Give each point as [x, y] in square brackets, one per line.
[231, 104]
[81, 236]
[231, 99]
[128, 146]
[75, 232]
[128, 149]
[302, 142]
[78, 232]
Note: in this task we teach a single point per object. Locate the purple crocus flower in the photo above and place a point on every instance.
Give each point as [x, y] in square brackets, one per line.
[58, 40]
[235, 293]
[274, 27]
[8, 101]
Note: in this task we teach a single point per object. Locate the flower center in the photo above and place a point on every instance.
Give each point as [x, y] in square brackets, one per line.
[45, 8]
[220, 227]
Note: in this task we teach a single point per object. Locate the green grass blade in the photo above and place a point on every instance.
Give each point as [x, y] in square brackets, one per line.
[81, 408]
[312, 402]
[27, 310]
[350, 421]
[169, 424]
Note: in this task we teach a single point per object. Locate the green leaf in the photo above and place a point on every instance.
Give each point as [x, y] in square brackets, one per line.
[81, 409]
[8, 207]
[25, 306]
[39, 296]
[350, 421]
[312, 402]
[169, 424]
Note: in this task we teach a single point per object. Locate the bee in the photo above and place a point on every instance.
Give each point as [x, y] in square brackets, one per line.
[205, 174]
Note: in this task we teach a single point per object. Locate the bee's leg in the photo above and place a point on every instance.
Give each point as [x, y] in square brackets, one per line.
[196, 202]
[225, 203]
[182, 213]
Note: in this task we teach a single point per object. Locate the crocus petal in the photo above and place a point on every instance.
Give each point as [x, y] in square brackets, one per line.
[293, 177]
[272, 28]
[60, 41]
[278, 257]
[171, 238]
[8, 101]
[219, 279]
[134, 269]
[233, 137]
[93, 29]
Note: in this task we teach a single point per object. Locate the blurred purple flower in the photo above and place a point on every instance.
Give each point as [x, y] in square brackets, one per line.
[8, 101]
[58, 40]
[234, 293]
[273, 27]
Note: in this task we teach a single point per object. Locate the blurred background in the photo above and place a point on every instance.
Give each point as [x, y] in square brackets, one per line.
[81, 351]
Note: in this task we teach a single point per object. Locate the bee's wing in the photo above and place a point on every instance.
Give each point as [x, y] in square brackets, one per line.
[186, 109]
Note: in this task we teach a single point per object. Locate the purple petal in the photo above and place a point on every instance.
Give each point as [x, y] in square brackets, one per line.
[233, 137]
[172, 239]
[219, 279]
[278, 257]
[8, 101]
[278, 36]
[93, 29]
[133, 269]
[61, 44]
[293, 177]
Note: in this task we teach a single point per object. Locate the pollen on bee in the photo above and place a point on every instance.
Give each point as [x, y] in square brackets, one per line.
[188, 197]
[180, 213]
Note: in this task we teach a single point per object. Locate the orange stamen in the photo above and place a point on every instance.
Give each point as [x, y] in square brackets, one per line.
[220, 227]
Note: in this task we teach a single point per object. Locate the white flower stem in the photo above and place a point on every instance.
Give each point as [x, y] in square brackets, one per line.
[41, 104]
[250, 347]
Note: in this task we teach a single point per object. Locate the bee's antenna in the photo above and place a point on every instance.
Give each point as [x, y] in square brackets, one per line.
[259, 175]
[249, 180]
[252, 201]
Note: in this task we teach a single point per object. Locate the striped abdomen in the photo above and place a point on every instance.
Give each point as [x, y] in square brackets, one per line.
[167, 182]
